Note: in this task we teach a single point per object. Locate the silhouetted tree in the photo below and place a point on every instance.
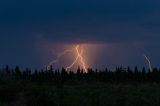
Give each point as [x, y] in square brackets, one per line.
[17, 73]
[61, 77]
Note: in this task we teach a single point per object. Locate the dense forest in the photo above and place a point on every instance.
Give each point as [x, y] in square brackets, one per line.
[50, 87]
[61, 76]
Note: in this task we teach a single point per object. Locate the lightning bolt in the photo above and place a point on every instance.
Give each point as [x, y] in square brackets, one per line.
[58, 57]
[149, 62]
[79, 56]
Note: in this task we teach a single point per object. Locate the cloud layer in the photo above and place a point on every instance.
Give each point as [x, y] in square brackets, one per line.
[125, 22]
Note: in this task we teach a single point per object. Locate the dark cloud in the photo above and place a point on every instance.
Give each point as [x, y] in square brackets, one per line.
[72, 21]
[81, 20]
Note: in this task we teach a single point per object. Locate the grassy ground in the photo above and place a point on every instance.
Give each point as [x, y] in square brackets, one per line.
[47, 94]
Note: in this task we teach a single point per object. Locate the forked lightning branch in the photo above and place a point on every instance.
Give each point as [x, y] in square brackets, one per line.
[79, 58]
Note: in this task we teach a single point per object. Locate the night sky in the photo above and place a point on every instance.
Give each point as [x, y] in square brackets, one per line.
[31, 31]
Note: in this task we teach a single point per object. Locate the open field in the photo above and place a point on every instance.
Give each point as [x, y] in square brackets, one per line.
[100, 94]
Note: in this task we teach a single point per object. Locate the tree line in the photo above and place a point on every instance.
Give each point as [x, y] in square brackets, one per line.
[61, 76]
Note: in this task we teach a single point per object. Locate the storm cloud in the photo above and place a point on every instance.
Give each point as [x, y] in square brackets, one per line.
[24, 23]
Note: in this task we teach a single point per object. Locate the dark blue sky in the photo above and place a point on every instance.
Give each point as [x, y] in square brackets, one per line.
[129, 27]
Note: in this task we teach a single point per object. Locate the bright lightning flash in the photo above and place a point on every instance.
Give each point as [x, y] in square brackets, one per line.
[79, 52]
[79, 57]
[149, 63]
